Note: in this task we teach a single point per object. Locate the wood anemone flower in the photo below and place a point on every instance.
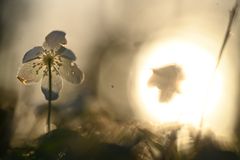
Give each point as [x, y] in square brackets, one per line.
[50, 61]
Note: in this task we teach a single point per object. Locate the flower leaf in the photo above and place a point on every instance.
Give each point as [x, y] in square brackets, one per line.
[54, 40]
[56, 86]
[70, 72]
[30, 72]
[32, 54]
[66, 53]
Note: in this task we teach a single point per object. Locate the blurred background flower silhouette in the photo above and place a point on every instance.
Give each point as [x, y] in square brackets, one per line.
[167, 80]
[118, 43]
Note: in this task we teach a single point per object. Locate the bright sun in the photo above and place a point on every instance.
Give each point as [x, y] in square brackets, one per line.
[199, 91]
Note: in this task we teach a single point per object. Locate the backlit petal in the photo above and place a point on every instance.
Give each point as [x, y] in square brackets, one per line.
[54, 40]
[32, 54]
[56, 86]
[66, 53]
[70, 72]
[31, 72]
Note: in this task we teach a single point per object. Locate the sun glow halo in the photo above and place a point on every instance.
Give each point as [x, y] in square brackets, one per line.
[198, 96]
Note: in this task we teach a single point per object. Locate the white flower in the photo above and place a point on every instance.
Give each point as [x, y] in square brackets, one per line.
[36, 65]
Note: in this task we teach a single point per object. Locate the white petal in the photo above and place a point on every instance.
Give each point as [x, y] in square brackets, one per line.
[54, 40]
[66, 53]
[32, 54]
[56, 86]
[70, 72]
[31, 72]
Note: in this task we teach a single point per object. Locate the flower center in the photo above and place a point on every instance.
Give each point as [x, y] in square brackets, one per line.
[48, 58]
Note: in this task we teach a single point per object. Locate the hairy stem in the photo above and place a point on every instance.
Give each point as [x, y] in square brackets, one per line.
[50, 97]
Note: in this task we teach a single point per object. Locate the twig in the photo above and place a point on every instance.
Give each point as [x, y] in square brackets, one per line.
[232, 16]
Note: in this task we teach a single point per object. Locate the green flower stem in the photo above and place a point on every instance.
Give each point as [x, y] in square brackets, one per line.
[50, 96]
